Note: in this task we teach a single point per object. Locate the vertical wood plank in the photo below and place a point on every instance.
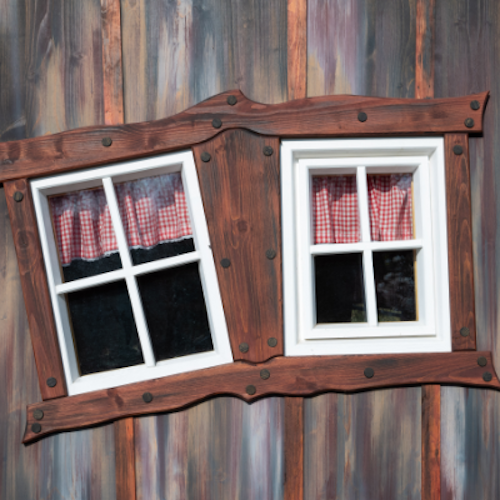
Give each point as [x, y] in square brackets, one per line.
[424, 49]
[297, 48]
[460, 261]
[125, 459]
[112, 62]
[36, 292]
[431, 442]
[294, 448]
[222, 449]
[177, 54]
[364, 445]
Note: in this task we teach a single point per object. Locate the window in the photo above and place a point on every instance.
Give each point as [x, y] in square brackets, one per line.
[130, 272]
[365, 246]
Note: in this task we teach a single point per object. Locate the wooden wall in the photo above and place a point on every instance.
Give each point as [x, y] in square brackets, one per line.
[174, 54]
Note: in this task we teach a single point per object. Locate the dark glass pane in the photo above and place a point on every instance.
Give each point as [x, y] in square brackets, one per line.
[83, 268]
[395, 285]
[175, 312]
[104, 328]
[340, 294]
[162, 250]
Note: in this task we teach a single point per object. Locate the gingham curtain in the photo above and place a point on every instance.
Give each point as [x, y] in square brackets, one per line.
[336, 215]
[153, 211]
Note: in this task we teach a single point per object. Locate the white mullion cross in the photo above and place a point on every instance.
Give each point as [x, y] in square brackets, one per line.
[130, 279]
[364, 218]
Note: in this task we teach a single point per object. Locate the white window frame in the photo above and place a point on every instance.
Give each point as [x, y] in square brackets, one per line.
[106, 177]
[424, 158]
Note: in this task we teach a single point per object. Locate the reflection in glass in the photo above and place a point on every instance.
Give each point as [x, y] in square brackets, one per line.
[339, 288]
[395, 285]
[175, 311]
[104, 330]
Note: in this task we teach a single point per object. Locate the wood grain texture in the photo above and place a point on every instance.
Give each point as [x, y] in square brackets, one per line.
[294, 448]
[240, 188]
[64, 66]
[316, 117]
[125, 459]
[12, 70]
[460, 260]
[364, 446]
[289, 376]
[177, 54]
[112, 62]
[364, 47]
[297, 48]
[424, 49]
[35, 290]
[431, 442]
[470, 443]
[223, 449]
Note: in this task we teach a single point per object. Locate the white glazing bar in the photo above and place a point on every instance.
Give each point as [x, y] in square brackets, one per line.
[81, 284]
[370, 296]
[364, 216]
[133, 290]
[328, 249]
[157, 265]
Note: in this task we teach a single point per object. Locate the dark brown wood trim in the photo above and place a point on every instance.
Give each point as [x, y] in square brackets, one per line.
[112, 61]
[125, 459]
[424, 50]
[297, 48]
[240, 186]
[288, 376]
[431, 442]
[36, 293]
[294, 448]
[460, 261]
[326, 116]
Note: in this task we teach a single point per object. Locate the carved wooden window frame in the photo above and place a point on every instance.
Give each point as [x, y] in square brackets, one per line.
[229, 127]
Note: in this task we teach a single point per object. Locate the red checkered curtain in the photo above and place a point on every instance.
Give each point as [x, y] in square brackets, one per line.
[335, 209]
[390, 205]
[153, 211]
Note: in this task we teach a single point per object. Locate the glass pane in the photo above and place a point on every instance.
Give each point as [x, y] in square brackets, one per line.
[155, 217]
[335, 211]
[84, 234]
[340, 296]
[395, 285]
[391, 207]
[103, 328]
[175, 312]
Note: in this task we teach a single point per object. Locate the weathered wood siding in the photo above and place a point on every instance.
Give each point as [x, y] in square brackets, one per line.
[175, 54]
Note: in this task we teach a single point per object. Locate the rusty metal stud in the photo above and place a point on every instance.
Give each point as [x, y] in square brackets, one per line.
[251, 390]
[272, 342]
[231, 100]
[487, 376]
[205, 156]
[458, 150]
[271, 253]
[216, 123]
[18, 196]
[362, 117]
[106, 141]
[475, 105]
[244, 347]
[264, 374]
[148, 397]
[225, 263]
[469, 122]
[51, 382]
[268, 150]
[464, 331]
[36, 428]
[37, 414]
[482, 361]
[369, 372]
